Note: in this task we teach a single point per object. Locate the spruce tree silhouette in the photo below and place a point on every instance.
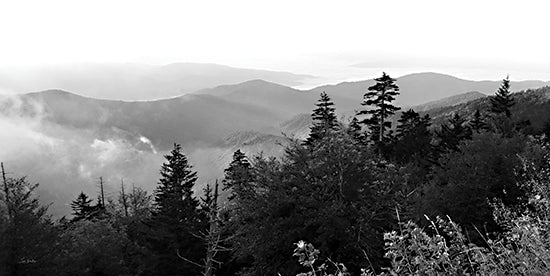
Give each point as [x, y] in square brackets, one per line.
[355, 131]
[378, 101]
[81, 207]
[477, 124]
[454, 131]
[176, 220]
[503, 100]
[238, 176]
[324, 119]
[412, 137]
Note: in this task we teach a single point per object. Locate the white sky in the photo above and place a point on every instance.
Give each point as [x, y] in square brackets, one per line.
[472, 39]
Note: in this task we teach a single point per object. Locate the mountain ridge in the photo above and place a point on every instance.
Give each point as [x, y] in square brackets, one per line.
[134, 81]
[355, 88]
[422, 87]
[449, 101]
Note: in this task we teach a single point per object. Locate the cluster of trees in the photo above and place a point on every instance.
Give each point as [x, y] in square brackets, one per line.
[341, 190]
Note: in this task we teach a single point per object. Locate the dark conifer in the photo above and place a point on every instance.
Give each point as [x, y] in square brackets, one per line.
[413, 137]
[503, 100]
[324, 119]
[238, 176]
[477, 123]
[355, 131]
[176, 219]
[407, 122]
[454, 131]
[378, 101]
[81, 207]
[174, 195]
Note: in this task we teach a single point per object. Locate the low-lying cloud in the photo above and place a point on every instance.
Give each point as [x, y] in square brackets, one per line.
[66, 161]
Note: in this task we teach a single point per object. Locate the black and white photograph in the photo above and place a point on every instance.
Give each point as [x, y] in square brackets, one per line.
[276, 138]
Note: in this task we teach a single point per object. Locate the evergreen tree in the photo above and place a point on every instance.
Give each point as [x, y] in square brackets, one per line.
[238, 177]
[413, 137]
[84, 210]
[355, 131]
[174, 195]
[477, 124]
[176, 219]
[324, 119]
[503, 100]
[407, 123]
[454, 131]
[378, 100]
[81, 207]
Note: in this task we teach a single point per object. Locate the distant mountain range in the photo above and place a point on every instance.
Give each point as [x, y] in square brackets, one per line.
[131, 81]
[416, 89]
[66, 141]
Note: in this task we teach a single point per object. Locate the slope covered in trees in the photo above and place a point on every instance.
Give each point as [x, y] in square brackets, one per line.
[530, 105]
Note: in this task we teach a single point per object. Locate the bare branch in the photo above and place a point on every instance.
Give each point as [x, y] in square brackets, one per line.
[187, 260]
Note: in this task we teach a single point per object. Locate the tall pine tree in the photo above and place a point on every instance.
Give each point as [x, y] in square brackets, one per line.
[503, 100]
[174, 195]
[238, 177]
[324, 119]
[378, 101]
[355, 131]
[177, 219]
[81, 207]
[240, 180]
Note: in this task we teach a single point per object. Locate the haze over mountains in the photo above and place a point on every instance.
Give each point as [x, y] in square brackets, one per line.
[66, 141]
[420, 88]
[133, 81]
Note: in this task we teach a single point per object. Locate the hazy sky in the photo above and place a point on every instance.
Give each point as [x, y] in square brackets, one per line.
[472, 39]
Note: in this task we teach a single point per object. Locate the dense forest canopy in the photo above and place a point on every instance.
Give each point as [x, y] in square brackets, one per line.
[463, 190]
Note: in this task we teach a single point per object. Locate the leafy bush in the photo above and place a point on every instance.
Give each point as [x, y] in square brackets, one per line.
[308, 257]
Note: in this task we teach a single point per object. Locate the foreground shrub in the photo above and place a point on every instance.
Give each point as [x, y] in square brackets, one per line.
[444, 250]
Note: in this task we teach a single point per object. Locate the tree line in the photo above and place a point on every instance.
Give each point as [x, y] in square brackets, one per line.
[358, 192]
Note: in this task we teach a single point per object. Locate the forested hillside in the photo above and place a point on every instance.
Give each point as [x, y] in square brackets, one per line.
[460, 190]
[531, 106]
